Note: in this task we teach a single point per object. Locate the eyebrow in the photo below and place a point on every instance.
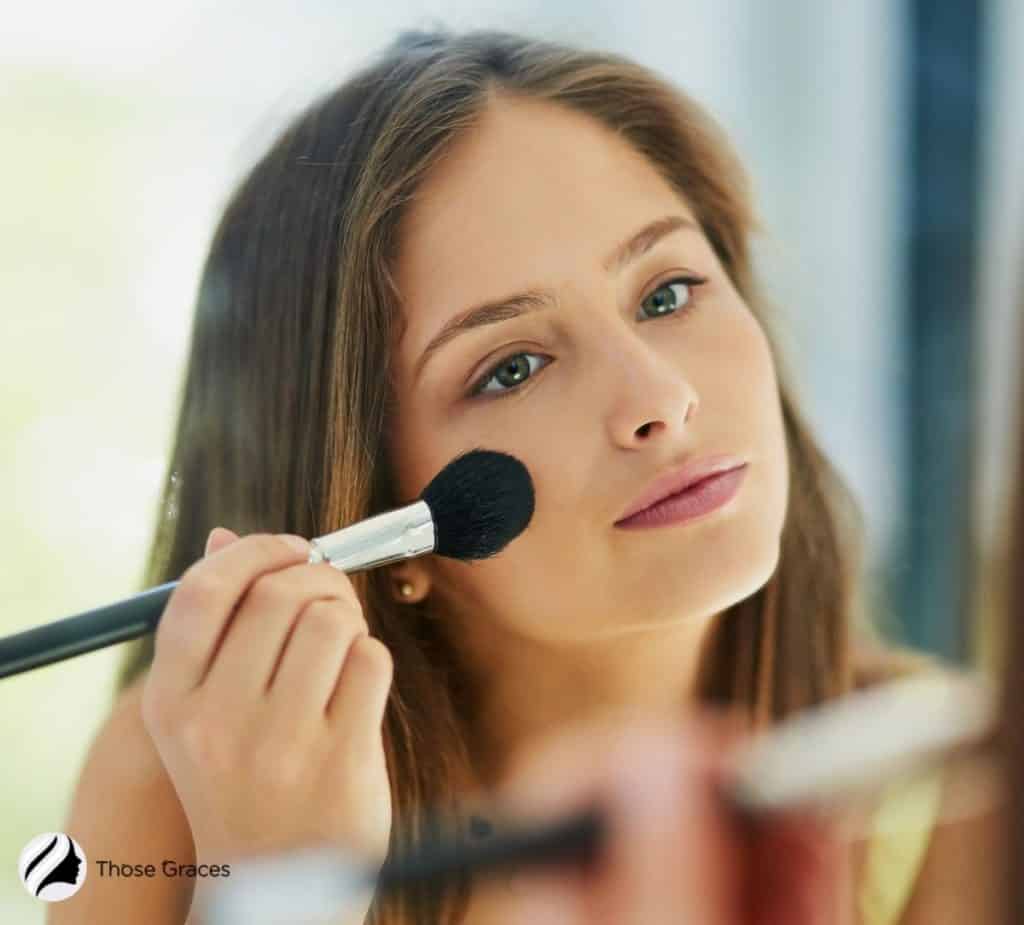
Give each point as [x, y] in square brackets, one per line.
[522, 303]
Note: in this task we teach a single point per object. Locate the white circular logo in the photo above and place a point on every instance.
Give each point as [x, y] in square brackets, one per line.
[52, 866]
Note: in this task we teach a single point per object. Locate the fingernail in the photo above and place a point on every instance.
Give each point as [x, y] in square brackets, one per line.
[296, 542]
[206, 550]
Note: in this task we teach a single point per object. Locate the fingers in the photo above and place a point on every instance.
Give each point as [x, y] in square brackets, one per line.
[332, 668]
[248, 658]
[644, 802]
[277, 606]
[672, 854]
[628, 767]
[548, 898]
[361, 694]
[561, 773]
[545, 776]
[219, 538]
[201, 605]
[320, 662]
[668, 850]
[253, 576]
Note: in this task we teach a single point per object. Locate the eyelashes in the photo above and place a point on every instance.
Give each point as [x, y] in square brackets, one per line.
[675, 305]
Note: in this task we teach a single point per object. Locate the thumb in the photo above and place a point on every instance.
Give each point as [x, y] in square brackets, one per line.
[219, 538]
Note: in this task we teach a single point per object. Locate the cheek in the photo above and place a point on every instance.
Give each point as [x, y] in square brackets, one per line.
[416, 452]
[754, 360]
[767, 401]
[753, 343]
[737, 380]
[754, 406]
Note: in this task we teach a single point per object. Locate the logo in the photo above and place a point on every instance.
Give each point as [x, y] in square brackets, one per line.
[52, 866]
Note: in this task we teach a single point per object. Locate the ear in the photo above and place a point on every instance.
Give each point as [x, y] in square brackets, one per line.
[416, 573]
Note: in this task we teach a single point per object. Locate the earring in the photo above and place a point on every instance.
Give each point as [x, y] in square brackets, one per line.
[405, 589]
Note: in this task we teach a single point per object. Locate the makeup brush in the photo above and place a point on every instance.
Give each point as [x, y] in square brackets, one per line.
[472, 509]
[823, 756]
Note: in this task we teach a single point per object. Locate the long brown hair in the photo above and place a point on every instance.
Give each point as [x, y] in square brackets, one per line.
[286, 395]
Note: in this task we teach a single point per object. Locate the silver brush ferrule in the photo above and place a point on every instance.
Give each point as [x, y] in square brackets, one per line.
[399, 534]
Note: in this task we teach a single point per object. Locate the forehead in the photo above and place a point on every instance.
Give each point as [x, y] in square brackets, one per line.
[534, 194]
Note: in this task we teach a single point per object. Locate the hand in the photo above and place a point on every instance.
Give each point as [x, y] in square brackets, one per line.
[675, 852]
[265, 701]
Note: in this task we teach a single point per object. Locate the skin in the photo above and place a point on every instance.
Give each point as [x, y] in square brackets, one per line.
[612, 394]
[676, 854]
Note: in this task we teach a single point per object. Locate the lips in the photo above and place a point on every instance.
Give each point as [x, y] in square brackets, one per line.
[679, 479]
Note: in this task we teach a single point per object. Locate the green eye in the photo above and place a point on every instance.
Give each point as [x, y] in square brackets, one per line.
[513, 368]
[512, 371]
[668, 296]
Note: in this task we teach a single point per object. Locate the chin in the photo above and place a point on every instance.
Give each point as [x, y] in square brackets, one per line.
[761, 576]
[745, 572]
[760, 556]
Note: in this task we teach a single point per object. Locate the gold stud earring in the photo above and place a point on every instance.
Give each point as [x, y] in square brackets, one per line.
[405, 589]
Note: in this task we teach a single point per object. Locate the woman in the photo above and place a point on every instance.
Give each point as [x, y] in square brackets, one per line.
[327, 381]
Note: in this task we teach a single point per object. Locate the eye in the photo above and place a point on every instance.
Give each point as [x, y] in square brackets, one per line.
[675, 293]
[512, 371]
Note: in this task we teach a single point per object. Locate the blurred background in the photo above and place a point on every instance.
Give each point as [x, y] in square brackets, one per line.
[885, 141]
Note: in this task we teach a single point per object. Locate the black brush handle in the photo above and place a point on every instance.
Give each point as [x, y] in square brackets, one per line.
[575, 839]
[92, 629]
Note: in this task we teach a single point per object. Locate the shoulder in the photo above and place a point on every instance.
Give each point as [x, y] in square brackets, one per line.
[125, 809]
[935, 840]
[875, 661]
[960, 879]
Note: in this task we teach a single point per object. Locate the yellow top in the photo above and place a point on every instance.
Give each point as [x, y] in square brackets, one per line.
[900, 828]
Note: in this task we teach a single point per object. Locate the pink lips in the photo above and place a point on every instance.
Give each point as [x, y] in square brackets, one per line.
[695, 489]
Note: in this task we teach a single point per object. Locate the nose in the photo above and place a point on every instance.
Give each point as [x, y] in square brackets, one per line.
[652, 395]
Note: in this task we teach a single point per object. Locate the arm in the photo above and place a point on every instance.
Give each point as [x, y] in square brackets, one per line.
[963, 876]
[125, 809]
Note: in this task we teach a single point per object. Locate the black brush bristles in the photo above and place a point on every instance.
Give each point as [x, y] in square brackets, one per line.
[480, 502]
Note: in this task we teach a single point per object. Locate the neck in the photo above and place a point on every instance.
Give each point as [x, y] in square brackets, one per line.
[528, 689]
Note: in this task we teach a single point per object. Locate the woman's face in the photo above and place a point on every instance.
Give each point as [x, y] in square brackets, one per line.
[597, 394]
